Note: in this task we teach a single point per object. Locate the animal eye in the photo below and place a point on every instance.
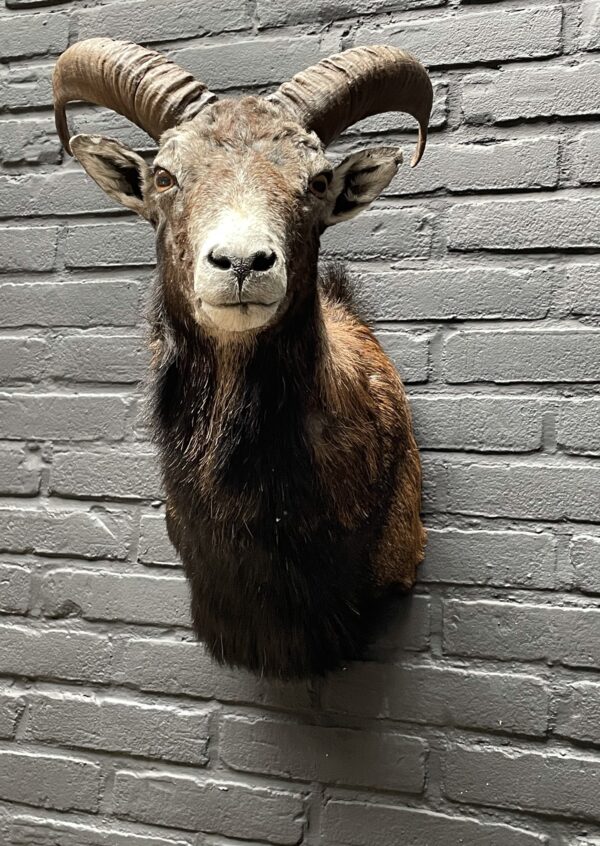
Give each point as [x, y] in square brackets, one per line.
[163, 180]
[318, 185]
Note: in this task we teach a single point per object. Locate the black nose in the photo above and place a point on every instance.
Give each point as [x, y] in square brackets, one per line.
[241, 266]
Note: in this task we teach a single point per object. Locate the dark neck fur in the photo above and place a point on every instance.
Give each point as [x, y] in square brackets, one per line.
[238, 407]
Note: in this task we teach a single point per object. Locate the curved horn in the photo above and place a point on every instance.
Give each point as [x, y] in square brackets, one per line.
[143, 85]
[345, 88]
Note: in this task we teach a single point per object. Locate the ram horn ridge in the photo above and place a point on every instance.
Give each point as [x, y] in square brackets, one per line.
[141, 84]
[343, 89]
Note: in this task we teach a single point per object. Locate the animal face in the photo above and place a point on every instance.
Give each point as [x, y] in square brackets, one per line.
[239, 196]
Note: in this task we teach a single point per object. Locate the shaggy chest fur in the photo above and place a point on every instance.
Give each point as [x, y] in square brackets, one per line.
[278, 567]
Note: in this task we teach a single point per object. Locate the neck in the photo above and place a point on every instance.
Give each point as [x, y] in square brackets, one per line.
[236, 396]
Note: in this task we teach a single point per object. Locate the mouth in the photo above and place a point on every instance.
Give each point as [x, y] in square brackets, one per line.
[243, 305]
[239, 316]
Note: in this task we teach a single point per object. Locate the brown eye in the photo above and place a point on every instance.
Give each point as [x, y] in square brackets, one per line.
[318, 185]
[163, 180]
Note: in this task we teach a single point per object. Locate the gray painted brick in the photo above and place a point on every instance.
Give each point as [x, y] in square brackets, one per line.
[548, 491]
[468, 168]
[433, 479]
[12, 705]
[547, 782]
[109, 245]
[583, 289]
[462, 39]
[119, 725]
[33, 35]
[180, 668]
[499, 558]
[264, 61]
[442, 696]
[450, 293]
[99, 358]
[332, 755]
[585, 556]
[28, 248]
[531, 92]
[57, 193]
[353, 824]
[280, 12]
[82, 304]
[21, 471]
[220, 807]
[409, 352]
[154, 544]
[23, 359]
[523, 355]
[522, 632]
[151, 20]
[381, 234]
[184, 668]
[547, 224]
[587, 158]
[112, 475]
[26, 829]
[63, 416]
[578, 426]
[578, 713]
[54, 654]
[23, 87]
[29, 141]
[589, 34]
[504, 424]
[61, 531]
[49, 781]
[155, 600]
[15, 586]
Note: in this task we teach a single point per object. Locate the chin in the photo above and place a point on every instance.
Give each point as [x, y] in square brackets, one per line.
[239, 318]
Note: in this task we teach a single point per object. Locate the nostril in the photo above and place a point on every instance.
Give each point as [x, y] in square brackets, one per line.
[259, 262]
[263, 261]
[221, 262]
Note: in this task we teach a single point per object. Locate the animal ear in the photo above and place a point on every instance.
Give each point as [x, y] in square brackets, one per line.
[359, 180]
[115, 168]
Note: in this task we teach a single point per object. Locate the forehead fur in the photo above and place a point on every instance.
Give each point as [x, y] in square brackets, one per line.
[238, 126]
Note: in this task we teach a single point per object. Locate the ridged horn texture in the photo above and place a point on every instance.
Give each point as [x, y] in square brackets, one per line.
[143, 85]
[343, 89]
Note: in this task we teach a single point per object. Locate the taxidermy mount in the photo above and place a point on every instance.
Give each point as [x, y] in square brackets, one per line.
[292, 476]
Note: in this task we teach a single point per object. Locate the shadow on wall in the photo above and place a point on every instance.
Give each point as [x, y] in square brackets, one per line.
[363, 688]
[331, 735]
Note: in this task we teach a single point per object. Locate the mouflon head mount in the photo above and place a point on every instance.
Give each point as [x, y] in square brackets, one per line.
[291, 472]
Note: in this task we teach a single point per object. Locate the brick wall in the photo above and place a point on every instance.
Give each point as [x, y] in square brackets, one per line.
[477, 721]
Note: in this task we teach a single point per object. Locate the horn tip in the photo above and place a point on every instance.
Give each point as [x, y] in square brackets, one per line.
[62, 127]
[418, 154]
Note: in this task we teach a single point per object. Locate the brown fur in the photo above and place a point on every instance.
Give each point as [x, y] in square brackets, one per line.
[371, 417]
